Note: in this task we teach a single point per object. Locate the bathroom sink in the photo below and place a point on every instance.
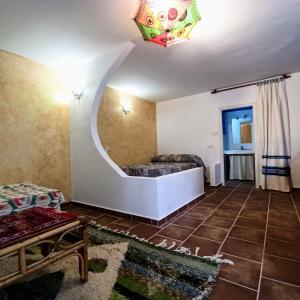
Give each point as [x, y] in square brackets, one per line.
[229, 152]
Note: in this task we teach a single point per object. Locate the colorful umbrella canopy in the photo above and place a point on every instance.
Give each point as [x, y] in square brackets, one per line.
[166, 22]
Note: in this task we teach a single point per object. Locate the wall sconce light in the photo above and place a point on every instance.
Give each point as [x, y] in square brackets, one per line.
[77, 88]
[77, 94]
[126, 108]
[73, 79]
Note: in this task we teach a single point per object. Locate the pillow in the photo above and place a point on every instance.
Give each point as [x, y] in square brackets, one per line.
[181, 158]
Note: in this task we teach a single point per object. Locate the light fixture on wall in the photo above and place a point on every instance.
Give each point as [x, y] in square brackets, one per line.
[73, 79]
[77, 87]
[77, 93]
[126, 108]
[167, 22]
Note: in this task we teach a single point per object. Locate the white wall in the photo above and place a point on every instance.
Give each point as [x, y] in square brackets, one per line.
[192, 124]
[96, 179]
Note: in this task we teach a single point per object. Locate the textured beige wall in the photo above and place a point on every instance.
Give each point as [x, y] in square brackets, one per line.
[131, 138]
[34, 129]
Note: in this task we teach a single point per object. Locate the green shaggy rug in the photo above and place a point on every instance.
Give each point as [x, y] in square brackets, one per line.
[120, 268]
[151, 272]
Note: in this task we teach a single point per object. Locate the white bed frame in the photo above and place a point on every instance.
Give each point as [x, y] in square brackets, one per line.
[156, 198]
[172, 191]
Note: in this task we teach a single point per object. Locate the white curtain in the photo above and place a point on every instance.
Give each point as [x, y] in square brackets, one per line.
[241, 167]
[273, 147]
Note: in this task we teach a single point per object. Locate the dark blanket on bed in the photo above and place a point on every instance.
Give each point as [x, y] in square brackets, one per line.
[179, 158]
[165, 164]
[157, 169]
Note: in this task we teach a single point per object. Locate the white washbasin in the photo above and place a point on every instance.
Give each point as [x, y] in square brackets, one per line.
[238, 152]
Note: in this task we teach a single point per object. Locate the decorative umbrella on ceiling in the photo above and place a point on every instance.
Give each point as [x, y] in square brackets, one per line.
[166, 22]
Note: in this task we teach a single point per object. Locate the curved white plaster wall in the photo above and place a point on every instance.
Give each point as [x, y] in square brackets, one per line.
[96, 180]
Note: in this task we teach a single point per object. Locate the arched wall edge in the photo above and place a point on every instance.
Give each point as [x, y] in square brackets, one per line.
[96, 180]
[126, 49]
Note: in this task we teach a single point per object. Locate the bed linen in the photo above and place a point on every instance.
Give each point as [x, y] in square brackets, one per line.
[157, 169]
[179, 158]
[16, 197]
[164, 165]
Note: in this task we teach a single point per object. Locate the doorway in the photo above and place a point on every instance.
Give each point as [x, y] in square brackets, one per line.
[237, 144]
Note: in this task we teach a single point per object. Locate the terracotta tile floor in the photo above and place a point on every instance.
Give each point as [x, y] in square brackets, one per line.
[258, 230]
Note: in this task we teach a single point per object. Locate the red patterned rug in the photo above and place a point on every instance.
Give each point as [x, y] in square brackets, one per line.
[14, 227]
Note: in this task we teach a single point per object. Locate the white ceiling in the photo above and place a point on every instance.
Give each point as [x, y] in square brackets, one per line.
[236, 41]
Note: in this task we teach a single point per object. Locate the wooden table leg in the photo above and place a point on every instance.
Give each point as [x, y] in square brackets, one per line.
[22, 261]
[83, 264]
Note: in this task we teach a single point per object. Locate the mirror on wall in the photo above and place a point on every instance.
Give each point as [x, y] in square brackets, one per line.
[241, 131]
[246, 133]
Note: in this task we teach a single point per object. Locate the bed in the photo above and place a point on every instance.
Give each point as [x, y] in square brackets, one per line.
[165, 164]
[153, 192]
[16, 197]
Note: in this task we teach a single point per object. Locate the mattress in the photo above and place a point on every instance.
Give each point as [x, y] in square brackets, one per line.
[158, 169]
[165, 164]
[16, 197]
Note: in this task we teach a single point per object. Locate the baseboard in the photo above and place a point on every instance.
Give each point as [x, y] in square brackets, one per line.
[216, 186]
[135, 217]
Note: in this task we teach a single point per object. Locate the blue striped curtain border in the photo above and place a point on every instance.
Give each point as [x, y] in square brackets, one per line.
[276, 171]
[277, 156]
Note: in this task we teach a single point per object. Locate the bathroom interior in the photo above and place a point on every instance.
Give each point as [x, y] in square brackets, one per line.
[238, 144]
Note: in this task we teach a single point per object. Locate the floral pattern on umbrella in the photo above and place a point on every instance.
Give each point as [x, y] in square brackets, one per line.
[167, 22]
